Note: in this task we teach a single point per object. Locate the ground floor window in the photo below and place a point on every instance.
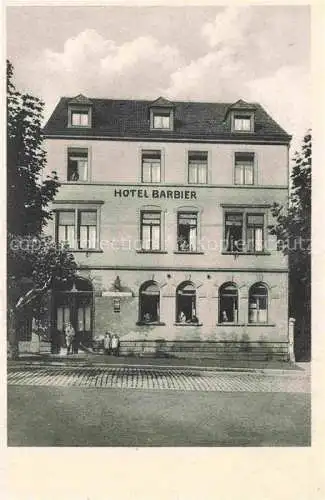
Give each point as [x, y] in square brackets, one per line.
[186, 303]
[149, 302]
[228, 303]
[257, 303]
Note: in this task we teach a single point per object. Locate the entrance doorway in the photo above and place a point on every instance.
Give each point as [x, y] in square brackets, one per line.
[73, 302]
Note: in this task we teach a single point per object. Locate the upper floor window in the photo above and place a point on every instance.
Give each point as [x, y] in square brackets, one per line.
[77, 164]
[66, 227]
[87, 229]
[77, 228]
[197, 167]
[255, 232]
[244, 232]
[151, 166]
[244, 168]
[187, 227]
[151, 230]
[162, 119]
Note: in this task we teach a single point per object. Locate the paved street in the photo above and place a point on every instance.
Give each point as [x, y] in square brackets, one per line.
[137, 406]
[160, 379]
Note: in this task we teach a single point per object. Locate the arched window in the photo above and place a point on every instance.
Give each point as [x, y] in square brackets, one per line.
[149, 302]
[257, 303]
[186, 303]
[228, 303]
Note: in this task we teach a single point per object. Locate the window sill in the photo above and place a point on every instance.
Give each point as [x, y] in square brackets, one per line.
[86, 250]
[229, 323]
[260, 324]
[245, 324]
[78, 182]
[150, 323]
[245, 253]
[79, 126]
[186, 252]
[188, 324]
[152, 251]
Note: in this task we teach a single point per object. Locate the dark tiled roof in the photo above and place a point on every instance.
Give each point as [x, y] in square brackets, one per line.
[192, 121]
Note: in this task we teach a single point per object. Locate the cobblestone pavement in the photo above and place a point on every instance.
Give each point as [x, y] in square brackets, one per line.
[159, 379]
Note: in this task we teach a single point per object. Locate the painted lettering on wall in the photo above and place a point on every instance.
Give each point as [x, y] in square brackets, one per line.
[168, 194]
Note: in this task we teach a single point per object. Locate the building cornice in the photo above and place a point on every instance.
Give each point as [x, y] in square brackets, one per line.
[183, 268]
[217, 140]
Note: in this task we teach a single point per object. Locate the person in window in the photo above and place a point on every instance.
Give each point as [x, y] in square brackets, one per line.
[147, 317]
[182, 317]
[74, 176]
[224, 317]
[107, 343]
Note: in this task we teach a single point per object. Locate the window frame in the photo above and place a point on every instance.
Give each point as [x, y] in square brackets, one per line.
[77, 210]
[236, 115]
[189, 214]
[193, 152]
[178, 311]
[161, 112]
[81, 148]
[143, 287]
[148, 151]
[266, 297]
[245, 212]
[254, 168]
[220, 296]
[151, 211]
[79, 110]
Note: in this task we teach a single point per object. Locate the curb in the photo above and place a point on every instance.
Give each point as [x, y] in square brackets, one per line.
[90, 366]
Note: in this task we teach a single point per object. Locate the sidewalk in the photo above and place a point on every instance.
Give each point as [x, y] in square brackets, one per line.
[99, 360]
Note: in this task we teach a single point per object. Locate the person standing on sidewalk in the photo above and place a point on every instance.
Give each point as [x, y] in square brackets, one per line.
[69, 336]
[107, 343]
[115, 344]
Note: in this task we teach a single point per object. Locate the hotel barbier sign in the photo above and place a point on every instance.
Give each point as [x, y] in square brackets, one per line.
[171, 194]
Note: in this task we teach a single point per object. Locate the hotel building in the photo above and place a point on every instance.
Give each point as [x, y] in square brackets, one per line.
[166, 207]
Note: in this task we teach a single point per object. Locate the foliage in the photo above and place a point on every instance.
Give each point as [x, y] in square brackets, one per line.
[293, 232]
[27, 193]
[33, 260]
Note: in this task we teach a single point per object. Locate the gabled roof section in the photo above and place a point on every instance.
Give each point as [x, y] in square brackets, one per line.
[123, 119]
[240, 105]
[161, 102]
[80, 99]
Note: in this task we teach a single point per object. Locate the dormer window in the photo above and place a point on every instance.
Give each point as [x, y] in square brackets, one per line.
[242, 122]
[161, 119]
[80, 118]
[242, 115]
[162, 115]
[79, 112]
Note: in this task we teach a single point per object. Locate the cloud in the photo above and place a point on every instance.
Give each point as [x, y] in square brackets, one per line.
[214, 76]
[229, 27]
[286, 94]
[96, 66]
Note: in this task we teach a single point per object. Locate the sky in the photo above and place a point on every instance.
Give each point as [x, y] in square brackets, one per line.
[224, 53]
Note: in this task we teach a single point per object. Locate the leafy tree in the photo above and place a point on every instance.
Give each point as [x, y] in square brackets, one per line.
[27, 193]
[33, 260]
[293, 231]
[35, 263]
